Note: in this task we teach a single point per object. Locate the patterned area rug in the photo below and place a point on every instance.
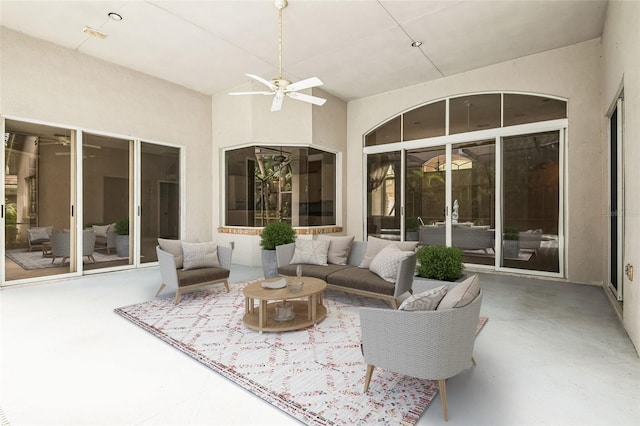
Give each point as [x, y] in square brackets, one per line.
[29, 260]
[315, 375]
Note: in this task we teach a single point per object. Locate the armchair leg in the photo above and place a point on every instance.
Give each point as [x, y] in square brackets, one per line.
[226, 285]
[443, 398]
[473, 361]
[177, 297]
[162, 286]
[394, 304]
[367, 377]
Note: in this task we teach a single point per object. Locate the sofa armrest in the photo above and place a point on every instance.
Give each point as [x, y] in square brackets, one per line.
[224, 257]
[167, 268]
[284, 254]
[406, 272]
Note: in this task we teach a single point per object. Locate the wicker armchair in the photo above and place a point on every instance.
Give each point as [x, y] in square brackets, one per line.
[432, 345]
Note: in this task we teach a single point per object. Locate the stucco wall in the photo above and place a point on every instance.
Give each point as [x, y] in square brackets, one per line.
[45, 82]
[620, 47]
[573, 73]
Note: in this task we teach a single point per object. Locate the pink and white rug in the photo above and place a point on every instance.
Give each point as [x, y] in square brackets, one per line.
[315, 375]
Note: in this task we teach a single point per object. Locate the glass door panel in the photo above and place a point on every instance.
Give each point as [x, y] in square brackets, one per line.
[39, 228]
[160, 197]
[425, 195]
[106, 195]
[383, 195]
[531, 196]
[473, 195]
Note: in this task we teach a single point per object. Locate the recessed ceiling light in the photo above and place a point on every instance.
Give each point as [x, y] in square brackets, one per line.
[115, 16]
[94, 33]
[416, 44]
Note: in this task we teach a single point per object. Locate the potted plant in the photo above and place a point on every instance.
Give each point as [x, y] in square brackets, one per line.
[411, 227]
[122, 237]
[274, 234]
[440, 263]
[510, 242]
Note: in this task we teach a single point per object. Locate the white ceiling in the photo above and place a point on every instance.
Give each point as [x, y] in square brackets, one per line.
[357, 48]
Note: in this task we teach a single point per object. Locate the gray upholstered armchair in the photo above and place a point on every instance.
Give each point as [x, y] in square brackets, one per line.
[61, 245]
[432, 345]
[179, 280]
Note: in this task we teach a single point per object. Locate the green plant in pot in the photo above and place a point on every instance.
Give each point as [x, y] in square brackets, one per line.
[440, 263]
[274, 234]
[122, 237]
[11, 222]
[511, 242]
[411, 227]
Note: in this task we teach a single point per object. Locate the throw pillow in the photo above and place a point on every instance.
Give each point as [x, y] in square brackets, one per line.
[462, 294]
[339, 248]
[310, 252]
[175, 248]
[387, 262]
[101, 230]
[200, 255]
[374, 245]
[426, 301]
[38, 234]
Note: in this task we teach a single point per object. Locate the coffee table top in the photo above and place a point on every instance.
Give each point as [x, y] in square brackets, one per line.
[311, 286]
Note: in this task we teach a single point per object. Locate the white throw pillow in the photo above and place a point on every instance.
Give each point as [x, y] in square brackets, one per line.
[175, 248]
[425, 301]
[387, 262]
[38, 234]
[101, 230]
[310, 252]
[374, 245]
[462, 294]
[200, 255]
[339, 248]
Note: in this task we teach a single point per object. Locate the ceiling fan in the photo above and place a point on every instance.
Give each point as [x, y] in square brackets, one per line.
[281, 87]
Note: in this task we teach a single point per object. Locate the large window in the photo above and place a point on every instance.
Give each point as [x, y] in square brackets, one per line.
[280, 183]
[489, 183]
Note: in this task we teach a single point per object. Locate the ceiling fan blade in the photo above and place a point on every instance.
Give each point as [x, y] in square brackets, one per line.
[276, 105]
[267, 83]
[307, 98]
[251, 93]
[304, 84]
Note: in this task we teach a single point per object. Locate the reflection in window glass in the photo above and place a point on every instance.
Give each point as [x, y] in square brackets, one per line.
[383, 193]
[160, 197]
[474, 112]
[531, 197]
[520, 109]
[424, 122]
[387, 133]
[291, 184]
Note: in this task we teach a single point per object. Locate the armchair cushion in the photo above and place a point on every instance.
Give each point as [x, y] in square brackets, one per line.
[200, 255]
[38, 234]
[101, 230]
[386, 263]
[462, 294]
[425, 301]
[339, 248]
[311, 252]
[173, 247]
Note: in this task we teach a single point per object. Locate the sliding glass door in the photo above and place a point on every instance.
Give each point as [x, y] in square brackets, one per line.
[79, 201]
[38, 198]
[383, 195]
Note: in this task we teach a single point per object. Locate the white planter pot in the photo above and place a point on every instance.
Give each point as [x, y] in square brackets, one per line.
[122, 245]
[510, 249]
[269, 263]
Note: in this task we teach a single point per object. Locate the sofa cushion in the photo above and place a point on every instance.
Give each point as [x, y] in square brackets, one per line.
[101, 230]
[387, 262]
[315, 271]
[310, 252]
[175, 248]
[339, 248]
[425, 301]
[361, 279]
[462, 294]
[38, 234]
[199, 276]
[200, 255]
[374, 245]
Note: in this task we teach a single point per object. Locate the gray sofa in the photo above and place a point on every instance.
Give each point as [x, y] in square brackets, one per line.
[350, 278]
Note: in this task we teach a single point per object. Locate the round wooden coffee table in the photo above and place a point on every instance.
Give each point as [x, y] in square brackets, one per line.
[306, 312]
